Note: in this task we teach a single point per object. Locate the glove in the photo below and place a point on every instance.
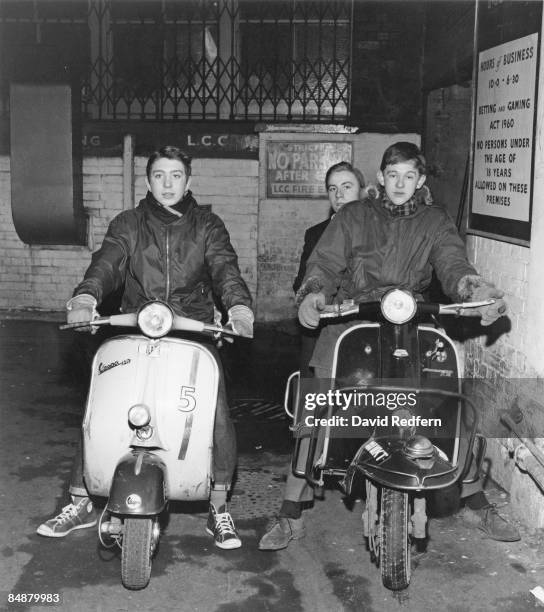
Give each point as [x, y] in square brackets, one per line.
[82, 308]
[476, 289]
[241, 320]
[309, 309]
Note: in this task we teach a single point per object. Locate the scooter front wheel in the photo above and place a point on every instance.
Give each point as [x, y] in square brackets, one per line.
[139, 541]
[395, 539]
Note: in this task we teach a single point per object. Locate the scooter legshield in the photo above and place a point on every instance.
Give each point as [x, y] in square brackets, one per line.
[374, 359]
[177, 380]
[138, 485]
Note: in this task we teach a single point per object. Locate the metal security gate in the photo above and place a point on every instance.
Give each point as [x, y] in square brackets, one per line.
[195, 59]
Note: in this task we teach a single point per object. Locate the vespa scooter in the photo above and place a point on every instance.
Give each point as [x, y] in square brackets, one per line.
[409, 429]
[148, 428]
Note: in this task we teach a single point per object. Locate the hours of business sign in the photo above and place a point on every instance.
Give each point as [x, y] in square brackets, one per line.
[503, 146]
[297, 169]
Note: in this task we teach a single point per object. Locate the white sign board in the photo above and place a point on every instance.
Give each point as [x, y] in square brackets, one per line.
[503, 136]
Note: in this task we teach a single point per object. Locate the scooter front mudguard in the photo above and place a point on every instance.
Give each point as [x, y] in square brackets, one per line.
[139, 485]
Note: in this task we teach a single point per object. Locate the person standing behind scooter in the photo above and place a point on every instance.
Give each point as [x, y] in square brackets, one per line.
[344, 184]
[166, 248]
[395, 239]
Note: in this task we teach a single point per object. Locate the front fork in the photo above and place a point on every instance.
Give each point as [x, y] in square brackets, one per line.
[371, 520]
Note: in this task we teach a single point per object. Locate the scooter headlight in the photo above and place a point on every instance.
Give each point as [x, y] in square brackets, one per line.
[155, 319]
[398, 306]
[139, 416]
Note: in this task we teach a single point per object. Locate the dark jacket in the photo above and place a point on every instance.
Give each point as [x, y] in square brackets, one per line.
[311, 238]
[370, 251]
[159, 256]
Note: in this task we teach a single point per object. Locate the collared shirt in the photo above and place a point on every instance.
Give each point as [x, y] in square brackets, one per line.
[400, 210]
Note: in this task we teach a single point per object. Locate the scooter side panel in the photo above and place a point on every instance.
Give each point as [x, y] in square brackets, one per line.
[177, 380]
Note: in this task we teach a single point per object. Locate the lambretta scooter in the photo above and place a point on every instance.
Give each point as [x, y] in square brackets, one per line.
[395, 417]
[148, 428]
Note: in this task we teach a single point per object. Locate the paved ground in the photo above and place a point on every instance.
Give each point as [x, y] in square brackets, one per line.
[42, 383]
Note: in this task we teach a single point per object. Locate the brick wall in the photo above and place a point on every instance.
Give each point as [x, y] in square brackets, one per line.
[504, 373]
[42, 278]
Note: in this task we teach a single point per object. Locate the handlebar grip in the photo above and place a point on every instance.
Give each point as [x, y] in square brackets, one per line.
[369, 308]
[426, 308]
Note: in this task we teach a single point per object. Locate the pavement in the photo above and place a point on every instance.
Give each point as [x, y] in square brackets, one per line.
[43, 377]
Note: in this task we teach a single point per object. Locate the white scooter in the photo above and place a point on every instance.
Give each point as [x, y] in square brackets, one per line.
[148, 428]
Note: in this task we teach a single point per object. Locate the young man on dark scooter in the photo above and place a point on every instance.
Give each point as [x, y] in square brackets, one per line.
[166, 248]
[395, 237]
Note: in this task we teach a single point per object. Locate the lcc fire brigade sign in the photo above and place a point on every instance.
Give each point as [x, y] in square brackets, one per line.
[297, 169]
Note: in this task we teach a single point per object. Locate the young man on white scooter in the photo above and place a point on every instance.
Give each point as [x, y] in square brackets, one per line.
[166, 248]
[394, 237]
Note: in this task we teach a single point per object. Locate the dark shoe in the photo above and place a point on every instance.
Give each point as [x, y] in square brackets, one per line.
[281, 533]
[495, 525]
[73, 516]
[221, 526]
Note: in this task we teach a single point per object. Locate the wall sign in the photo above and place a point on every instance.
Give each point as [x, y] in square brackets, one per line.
[106, 139]
[297, 169]
[503, 141]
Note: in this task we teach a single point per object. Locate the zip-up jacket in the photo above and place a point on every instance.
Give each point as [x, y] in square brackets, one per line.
[365, 250]
[179, 260]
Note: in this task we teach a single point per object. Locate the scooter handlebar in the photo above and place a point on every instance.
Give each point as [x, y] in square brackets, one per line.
[120, 320]
[131, 320]
[371, 308]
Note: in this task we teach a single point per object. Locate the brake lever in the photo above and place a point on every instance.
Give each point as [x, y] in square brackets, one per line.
[339, 310]
[91, 323]
[457, 308]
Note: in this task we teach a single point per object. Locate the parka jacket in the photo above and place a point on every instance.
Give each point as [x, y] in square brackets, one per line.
[159, 256]
[365, 251]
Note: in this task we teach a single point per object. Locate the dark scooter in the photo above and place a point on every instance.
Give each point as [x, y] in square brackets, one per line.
[396, 417]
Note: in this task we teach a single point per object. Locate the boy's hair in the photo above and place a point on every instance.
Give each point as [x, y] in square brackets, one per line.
[169, 152]
[344, 165]
[402, 152]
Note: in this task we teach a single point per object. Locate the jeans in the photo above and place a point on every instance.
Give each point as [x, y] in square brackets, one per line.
[224, 444]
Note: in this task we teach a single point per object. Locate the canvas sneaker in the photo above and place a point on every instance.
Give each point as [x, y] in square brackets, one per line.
[221, 526]
[73, 516]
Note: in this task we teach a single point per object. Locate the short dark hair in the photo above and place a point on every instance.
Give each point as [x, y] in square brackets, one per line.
[169, 152]
[402, 152]
[344, 165]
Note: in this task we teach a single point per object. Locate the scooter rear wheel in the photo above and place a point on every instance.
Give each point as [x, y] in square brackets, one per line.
[137, 550]
[395, 539]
